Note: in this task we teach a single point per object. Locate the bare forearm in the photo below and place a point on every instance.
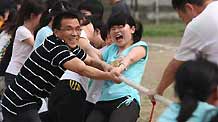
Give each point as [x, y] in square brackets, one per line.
[168, 76]
[94, 73]
[166, 81]
[97, 63]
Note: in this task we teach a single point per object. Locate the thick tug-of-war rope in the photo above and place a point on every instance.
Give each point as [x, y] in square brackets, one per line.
[145, 91]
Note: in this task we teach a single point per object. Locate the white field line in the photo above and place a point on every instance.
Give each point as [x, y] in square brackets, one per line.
[164, 46]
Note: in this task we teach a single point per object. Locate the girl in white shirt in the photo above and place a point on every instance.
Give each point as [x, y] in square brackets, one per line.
[27, 21]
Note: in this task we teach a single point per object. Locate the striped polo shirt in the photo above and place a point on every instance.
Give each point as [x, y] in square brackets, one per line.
[39, 75]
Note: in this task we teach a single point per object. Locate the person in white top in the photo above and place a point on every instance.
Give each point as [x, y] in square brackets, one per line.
[28, 19]
[201, 35]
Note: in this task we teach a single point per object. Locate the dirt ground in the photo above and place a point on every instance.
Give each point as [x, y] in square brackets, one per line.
[160, 53]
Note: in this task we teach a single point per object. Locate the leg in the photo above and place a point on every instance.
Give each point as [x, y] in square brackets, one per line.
[126, 113]
[88, 107]
[28, 116]
[44, 116]
[67, 101]
[96, 116]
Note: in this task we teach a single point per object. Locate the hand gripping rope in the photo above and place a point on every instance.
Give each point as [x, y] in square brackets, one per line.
[145, 91]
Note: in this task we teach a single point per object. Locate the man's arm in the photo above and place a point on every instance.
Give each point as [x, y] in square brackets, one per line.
[78, 66]
[91, 51]
[97, 63]
[94, 56]
[168, 76]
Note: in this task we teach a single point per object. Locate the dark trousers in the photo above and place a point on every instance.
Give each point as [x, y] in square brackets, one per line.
[66, 102]
[88, 108]
[107, 111]
[27, 116]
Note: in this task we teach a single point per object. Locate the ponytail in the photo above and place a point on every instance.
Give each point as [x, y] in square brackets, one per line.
[188, 106]
[138, 32]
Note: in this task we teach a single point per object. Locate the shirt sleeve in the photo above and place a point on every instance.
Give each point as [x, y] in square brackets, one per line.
[61, 54]
[23, 33]
[80, 53]
[41, 36]
[191, 43]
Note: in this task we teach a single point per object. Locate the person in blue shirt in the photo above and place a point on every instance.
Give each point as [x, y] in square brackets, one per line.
[196, 87]
[47, 20]
[128, 56]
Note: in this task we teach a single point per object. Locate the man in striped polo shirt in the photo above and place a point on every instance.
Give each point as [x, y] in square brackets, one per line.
[44, 67]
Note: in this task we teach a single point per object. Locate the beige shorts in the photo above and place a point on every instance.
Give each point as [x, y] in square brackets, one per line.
[2, 84]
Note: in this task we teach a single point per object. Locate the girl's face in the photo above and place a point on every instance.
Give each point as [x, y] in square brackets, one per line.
[98, 41]
[122, 35]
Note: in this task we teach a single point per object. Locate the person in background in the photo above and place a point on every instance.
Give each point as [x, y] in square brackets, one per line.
[119, 6]
[128, 56]
[5, 6]
[6, 44]
[47, 20]
[196, 84]
[17, 4]
[28, 19]
[92, 8]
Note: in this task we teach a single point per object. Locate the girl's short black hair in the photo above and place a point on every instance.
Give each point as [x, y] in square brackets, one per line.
[195, 81]
[122, 19]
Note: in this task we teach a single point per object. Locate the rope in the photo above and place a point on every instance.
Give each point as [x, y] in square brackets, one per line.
[145, 91]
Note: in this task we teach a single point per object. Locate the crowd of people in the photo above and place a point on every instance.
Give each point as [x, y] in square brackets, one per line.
[60, 62]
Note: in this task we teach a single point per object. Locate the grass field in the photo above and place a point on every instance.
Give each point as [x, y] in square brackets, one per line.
[163, 30]
[161, 52]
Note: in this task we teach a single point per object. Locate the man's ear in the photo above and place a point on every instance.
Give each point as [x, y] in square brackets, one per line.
[55, 31]
[191, 10]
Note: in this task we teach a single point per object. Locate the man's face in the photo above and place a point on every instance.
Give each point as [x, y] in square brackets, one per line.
[69, 31]
[189, 12]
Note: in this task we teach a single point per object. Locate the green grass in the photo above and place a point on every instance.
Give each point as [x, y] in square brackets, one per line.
[163, 30]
